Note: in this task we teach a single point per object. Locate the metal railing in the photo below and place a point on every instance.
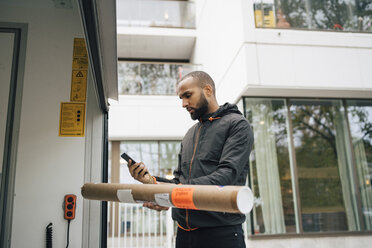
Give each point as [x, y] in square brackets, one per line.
[156, 13]
[133, 226]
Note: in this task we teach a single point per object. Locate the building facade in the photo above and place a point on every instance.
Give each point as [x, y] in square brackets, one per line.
[300, 71]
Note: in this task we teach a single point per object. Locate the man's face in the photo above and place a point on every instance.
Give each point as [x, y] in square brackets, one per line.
[193, 98]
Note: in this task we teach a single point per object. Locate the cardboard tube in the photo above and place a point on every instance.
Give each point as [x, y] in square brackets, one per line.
[232, 199]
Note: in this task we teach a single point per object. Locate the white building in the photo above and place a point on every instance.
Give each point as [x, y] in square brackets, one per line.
[300, 73]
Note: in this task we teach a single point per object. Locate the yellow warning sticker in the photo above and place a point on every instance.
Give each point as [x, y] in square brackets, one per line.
[80, 63]
[79, 48]
[72, 119]
[79, 86]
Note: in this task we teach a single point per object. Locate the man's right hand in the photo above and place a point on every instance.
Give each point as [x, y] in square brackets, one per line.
[138, 172]
[154, 206]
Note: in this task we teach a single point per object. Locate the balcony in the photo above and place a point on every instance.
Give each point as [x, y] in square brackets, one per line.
[155, 29]
[152, 13]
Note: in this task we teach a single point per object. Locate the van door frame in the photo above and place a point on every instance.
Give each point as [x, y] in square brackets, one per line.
[12, 128]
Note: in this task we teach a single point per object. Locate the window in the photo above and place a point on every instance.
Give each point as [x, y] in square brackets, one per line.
[131, 224]
[270, 167]
[340, 15]
[150, 79]
[360, 118]
[311, 166]
[324, 165]
[160, 157]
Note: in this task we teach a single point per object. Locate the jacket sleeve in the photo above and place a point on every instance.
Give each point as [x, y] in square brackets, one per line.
[234, 158]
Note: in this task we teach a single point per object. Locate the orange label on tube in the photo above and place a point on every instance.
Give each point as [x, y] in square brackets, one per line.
[182, 198]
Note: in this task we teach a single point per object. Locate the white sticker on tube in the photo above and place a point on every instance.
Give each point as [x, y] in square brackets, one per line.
[162, 199]
[125, 195]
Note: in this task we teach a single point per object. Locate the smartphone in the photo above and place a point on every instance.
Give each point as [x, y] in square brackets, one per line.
[126, 158]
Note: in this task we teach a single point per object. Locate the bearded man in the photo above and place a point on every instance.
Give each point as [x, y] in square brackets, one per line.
[215, 151]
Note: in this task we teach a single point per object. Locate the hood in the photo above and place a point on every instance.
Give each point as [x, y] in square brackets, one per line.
[225, 109]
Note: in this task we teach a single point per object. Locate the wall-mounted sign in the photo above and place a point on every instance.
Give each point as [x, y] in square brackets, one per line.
[72, 119]
[79, 86]
[79, 48]
[79, 71]
[80, 63]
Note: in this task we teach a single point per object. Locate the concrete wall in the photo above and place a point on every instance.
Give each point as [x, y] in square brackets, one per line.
[48, 166]
[148, 118]
[329, 60]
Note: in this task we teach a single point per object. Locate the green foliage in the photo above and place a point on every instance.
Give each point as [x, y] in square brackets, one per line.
[319, 193]
[314, 129]
[327, 14]
[294, 12]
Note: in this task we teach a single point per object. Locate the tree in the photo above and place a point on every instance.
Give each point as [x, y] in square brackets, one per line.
[345, 15]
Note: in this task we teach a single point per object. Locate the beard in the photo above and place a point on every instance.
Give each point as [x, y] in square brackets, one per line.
[201, 109]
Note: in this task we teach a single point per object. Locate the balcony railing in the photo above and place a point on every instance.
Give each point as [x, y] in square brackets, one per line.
[336, 15]
[131, 225]
[134, 226]
[151, 79]
[156, 13]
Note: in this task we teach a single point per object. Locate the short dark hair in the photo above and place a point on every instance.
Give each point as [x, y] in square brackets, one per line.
[202, 77]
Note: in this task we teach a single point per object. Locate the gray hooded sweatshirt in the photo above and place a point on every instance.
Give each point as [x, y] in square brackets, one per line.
[215, 151]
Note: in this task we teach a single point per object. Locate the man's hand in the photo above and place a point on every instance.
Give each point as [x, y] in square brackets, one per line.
[138, 172]
[154, 206]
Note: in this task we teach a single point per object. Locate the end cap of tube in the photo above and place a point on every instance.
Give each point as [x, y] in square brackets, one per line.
[245, 200]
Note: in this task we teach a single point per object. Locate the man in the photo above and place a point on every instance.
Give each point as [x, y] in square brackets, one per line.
[215, 151]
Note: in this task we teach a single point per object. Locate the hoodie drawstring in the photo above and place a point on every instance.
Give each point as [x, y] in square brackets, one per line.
[212, 119]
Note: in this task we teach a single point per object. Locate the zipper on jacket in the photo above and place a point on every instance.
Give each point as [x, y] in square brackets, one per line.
[192, 159]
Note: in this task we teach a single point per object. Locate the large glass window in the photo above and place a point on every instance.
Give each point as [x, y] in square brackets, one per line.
[270, 167]
[324, 165]
[160, 157]
[360, 118]
[145, 151]
[150, 79]
[311, 166]
[340, 15]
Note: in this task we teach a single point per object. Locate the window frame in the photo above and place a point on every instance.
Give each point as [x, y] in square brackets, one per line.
[13, 115]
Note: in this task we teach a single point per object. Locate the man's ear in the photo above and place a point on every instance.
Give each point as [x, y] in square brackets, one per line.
[208, 90]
